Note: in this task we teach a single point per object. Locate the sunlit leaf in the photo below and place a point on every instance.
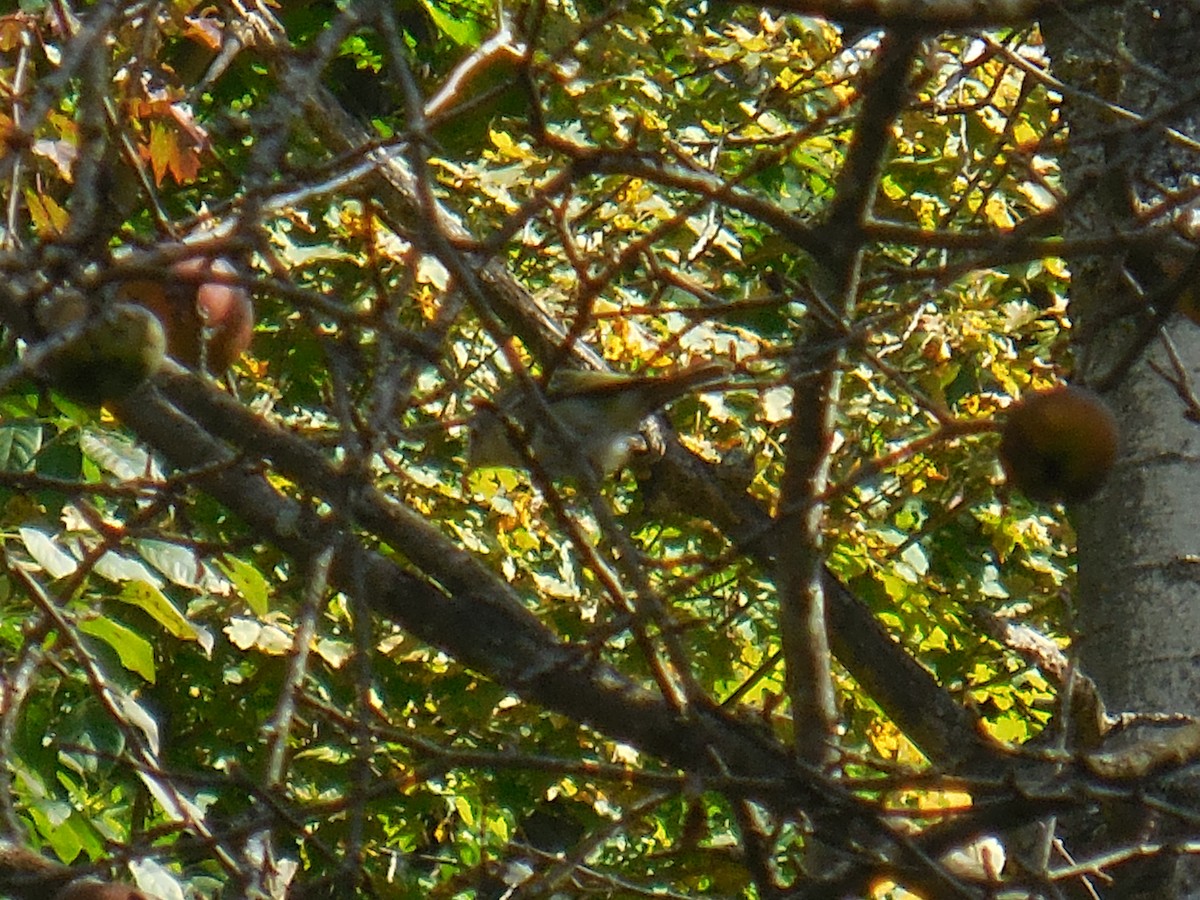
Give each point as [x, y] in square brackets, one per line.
[160, 608]
[47, 553]
[249, 582]
[134, 651]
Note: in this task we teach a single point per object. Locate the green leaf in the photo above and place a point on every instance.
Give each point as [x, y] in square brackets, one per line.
[134, 651]
[62, 837]
[160, 608]
[19, 444]
[466, 31]
[249, 582]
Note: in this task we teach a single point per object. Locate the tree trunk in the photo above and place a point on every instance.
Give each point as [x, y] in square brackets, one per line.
[1138, 619]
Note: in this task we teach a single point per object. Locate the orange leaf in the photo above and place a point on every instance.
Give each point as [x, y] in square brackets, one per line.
[205, 30]
[185, 164]
[12, 31]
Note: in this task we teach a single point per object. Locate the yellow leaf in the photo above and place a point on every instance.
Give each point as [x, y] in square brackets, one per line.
[159, 607]
[48, 217]
[464, 810]
[997, 211]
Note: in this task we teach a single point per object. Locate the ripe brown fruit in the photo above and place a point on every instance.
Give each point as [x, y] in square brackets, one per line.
[1059, 444]
[208, 323]
[111, 356]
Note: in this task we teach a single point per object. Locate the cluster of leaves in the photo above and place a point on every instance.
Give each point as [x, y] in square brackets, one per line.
[166, 670]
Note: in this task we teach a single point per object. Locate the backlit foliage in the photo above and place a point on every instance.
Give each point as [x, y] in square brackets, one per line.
[182, 684]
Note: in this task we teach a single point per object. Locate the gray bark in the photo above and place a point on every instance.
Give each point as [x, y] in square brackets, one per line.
[1138, 596]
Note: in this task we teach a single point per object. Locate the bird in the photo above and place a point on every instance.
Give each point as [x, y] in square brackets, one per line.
[596, 419]
[112, 354]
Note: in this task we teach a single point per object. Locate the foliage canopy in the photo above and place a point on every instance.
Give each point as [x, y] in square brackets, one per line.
[266, 626]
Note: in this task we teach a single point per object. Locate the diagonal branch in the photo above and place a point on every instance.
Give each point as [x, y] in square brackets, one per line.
[465, 609]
